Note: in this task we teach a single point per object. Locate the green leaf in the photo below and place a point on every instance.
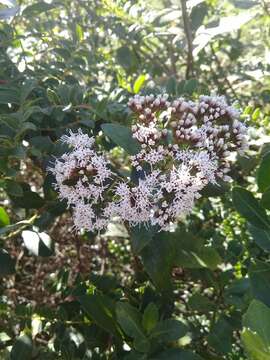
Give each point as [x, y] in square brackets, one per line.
[29, 200]
[7, 264]
[249, 207]
[9, 94]
[190, 86]
[197, 15]
[140, 237]
[38, 8]
[256, 333]
[190, 252]
[150, 317]
[130, 320]
[263, 174]
[257, 319]
[79, 32]
[22, 348]
[101, 310]
[42, 143]
[220, 336]
[126, 57]
[158, 258]
[26, 89]
[122, 137]
[177, 354]
[169, 330]
[259, 275]
[256, 114]
[254, 346]
[265, 200]
[261, 237]
[4, 218]
[39, 244]
[167, 250]
[200, 303]
[13, 188]
[214, 190]
[139, 83]
[141, 344]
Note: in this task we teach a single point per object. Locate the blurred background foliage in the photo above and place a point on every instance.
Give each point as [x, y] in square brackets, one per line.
[201, 292]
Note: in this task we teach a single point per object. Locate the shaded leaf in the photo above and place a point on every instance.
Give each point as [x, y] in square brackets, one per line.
[7, 264]
[263, 174]
[259, 274]
[169, 330]
[150, 317]
[249, 207]
[22, 348]
[122, 137]
[101, 309]
[130, 320]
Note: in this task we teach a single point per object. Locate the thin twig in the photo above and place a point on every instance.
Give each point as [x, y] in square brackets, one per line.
[188, 33]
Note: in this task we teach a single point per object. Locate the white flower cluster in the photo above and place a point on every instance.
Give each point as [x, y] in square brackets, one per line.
[83, 179]
[184, 146]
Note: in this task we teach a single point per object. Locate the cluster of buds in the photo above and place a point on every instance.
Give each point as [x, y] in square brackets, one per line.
[184, 146]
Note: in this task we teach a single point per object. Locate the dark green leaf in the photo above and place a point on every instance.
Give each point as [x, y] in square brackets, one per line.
[169, 330]
[13, 188]
[101, 309]
[150, 317]
[256, 334]
[38, 8]
[200, 303]
[7, 264]
[122, 137]
[22, 348]
[130, 320]
[190, 86]
[265, 200]
[220, 336]
[261, 237]
[263, 174]
[259, 275]
[249, 207]
[140, 237]
[177, 354]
